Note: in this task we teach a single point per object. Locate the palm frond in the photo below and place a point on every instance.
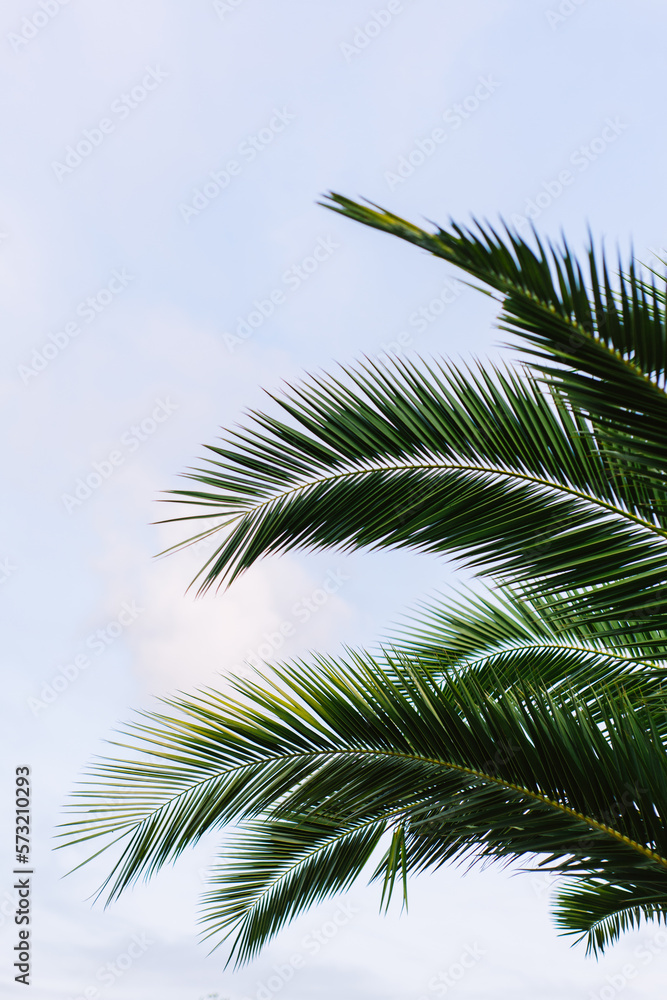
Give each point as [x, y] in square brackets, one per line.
[273, 871]
[485, 466]
[486, 628]
[529, 723]
[599, 911]
[324, 759]
[605, 345]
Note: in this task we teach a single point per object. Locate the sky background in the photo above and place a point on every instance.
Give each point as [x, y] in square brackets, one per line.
[300, 97]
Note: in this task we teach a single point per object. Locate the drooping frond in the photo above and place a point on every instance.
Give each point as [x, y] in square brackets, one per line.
[530, 722]
[486, 627]
[321, 762]
[603, 340]
[483, 465]
[599, 911]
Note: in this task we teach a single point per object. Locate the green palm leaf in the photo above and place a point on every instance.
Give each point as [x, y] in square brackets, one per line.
[528, 722]
[326, 759]
[605, 345]
[491, 628]
[486, 466]
[599, 911]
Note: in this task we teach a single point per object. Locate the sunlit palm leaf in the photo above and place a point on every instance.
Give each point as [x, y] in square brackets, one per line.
[475, 630]
[609, 340]
[527, 723]
[327, 758]
[484, 465]
[600, 911]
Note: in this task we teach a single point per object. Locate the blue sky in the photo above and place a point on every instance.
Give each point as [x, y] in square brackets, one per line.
[163, 260]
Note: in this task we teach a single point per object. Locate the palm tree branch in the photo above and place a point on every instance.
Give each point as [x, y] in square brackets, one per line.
[277, 781]
[323, 513]
[600, 910]
[492, 620]
[615, 339]
[510, 475]
[260, 886]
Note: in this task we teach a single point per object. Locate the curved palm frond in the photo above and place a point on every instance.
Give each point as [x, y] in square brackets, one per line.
[599, 911]
[527, 722]
[486, 466]
[477, 630]
[605, 345]
[326, 759]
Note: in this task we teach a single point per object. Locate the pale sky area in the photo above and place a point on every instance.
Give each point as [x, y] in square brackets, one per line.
[161, 166]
